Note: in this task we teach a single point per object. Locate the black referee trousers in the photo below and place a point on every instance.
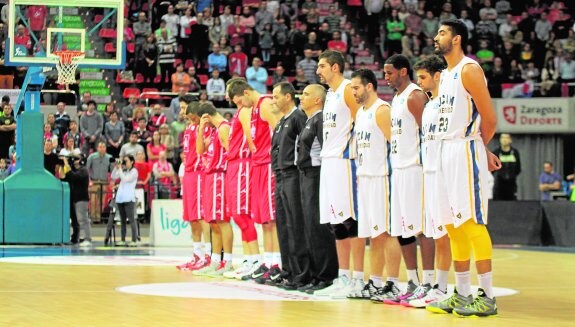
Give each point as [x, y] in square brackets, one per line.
[319, 237]
[281, 224]
[298, 252]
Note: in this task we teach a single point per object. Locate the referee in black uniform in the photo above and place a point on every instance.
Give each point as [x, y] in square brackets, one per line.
[288, 188]
[319, 237]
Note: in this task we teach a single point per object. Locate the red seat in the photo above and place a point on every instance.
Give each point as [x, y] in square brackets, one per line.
[108, 33]
[139, 78]
[150, 96]
[98, 18]
[131, 47]
[189, 63]
[177, 62]
[270, 81]
[203, 79]
[131, 91]
[109, 47]
[158, 79]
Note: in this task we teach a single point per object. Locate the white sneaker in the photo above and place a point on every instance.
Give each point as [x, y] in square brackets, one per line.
[247, 275]
[434, 295]
[354, 286]
[239, 271]
[85, 244]
[338, 283]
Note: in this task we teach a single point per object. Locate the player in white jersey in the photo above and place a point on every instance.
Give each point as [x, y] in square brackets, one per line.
[372, 133]
[435, 202]
[467, 122]
[338, 205]
[407, 214]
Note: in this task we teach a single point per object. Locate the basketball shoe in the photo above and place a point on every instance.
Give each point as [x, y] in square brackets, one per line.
[213, 266]
[188, 265]
[338, 283]
[248, 275]
[366, 293]
[267, 275]
[482, 306]
[355, 286]
[419, 293]
[241, 270]
[388, 291]
[262, 269]
[456, 300]
[434, 295]
[224, 267]
[202, 263]
[411, 287]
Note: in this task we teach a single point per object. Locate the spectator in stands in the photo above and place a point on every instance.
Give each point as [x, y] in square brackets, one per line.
[278, 75]
[167, 47]
[142, 29]
[200, 40]
[4, 169]
[506, 178]
[531, 73]
[226, 19]
[186, 22]
[236, 33]
[62, 122]
[306, 8]
[114, 132]
[515, 36]
[7, 130]
[324, 35]
[132, 147]
[309, 66]
[527, 26]
[50, 135]
[216, 32]
[158, 31]
[549, 181]
[515, 72]
[154, 148]
[409, 43]
[333, 20]
[149, 60]
[22, 41]
[238, 61]
[526, 54]
[6, 72]
[129, 35]
[157, 119]
[300, 81]
[70, 150]
[263, 17]
[194, 80]
[569, 43]
[74, 134]
[175, 103]
[51, 160]
[337, 43]
[486, 29]
[430, 24]
[266, 42]
[180, 79]
[468, 22]
[98, 165]
[413, 21]
[144, 136]
[488, 12]
[228, 116]
[203, 98]
[312, 19]
[128, 111]
[395, 28]
[562, 26]
[216, 89]
[177, 128]
[485, 56]
[172, 21]
[110, 108]
[83, 103]
[297, 39]
[347, 71]
[225, 47]
[37, 19]
[257, 76]
[168, 141]
[139, 113]
[496, 77]
[280, 37]
[216, 60]
[144, 171]
[163, 175]
[542, 36]
[567, 70]
[505, 27]
[549, 77]
[91, 126]
[247, 20]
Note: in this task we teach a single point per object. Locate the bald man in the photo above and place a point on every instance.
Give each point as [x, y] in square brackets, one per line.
[319, 237]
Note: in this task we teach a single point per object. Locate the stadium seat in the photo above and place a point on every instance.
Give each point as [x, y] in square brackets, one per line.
[131, 91]
[150, 96]
[108, 33]
[270, 81]
[139, 78]
[109, 47]
[203, 79]
[131, 47]
[189, 63]
[177, 62]
[98, 18]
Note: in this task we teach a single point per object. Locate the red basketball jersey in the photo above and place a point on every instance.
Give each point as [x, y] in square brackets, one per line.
[215, 157]
[261, 134]
[193, 161]
[238, 143]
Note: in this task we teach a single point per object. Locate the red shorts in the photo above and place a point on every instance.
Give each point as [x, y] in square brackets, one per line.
[213, 197]
[262, 191]
[238, 187]
[191, 196]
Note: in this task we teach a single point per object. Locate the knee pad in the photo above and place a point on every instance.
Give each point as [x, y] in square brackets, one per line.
[403, 241]
[250, 234]
[479, 239]
[459, 242]
[345, 230]
[242, 221]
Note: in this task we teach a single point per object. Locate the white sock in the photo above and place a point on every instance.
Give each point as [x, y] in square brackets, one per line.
[216, 257]
[198, 249]
[441, 279]
[376, 280]
[255, 258]
[358, 275]
[463, 283]
[486, 283]
[394, 280]
[227, 257]
[344, 272]
[207, 248]
[276, 259]
[412, 276]
[428, 276]
[268, 257]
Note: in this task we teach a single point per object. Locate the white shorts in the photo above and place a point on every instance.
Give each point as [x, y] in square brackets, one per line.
[337, 190]
[463, 175]
[406, 201]
[436, 205]
[373, 206]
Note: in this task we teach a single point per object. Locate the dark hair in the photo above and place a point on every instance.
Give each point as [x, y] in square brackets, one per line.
[187, 99]
[134, 133]
[5, 98]
[333, 58]
[458, 27]
[92, 102]
[432, 64]
[238, 87]
[286, 88]
[131, 157]
[399, 61]
[367, 77]
[142, 119]
[207, 108]
[192, 108]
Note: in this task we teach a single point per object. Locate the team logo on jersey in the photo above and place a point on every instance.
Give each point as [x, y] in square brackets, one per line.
[458, 215]
[440, 228]
[375, 228]
[410, 227]
[510, 114]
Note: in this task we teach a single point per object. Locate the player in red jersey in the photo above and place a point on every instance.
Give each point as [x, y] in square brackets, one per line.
[238, 188]
[192, 183]
[214, 147]
[263, 120]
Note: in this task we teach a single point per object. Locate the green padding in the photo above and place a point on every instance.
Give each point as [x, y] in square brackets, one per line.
[90, 70]
[101, 107]
[92, 84]
[96, 91]
[66, 19]
[79, 25]
[72, 39]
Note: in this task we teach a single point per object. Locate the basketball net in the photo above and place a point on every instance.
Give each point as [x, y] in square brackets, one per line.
[67, 65]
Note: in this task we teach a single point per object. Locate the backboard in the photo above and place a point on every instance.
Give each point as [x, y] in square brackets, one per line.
[37, 29]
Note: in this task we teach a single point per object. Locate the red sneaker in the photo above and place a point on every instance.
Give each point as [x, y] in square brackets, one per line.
[188, 265]
[201, 263]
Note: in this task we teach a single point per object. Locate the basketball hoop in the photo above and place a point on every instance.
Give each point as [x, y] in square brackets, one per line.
[67, 65]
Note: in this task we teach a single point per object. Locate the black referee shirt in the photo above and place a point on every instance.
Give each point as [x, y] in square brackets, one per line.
[310, 142]
[285, 138]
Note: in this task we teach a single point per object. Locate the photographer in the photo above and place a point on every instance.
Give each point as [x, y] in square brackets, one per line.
[77, 176]
[126, 196]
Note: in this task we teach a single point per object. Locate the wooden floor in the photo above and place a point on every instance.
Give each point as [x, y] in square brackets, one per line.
[85, 295]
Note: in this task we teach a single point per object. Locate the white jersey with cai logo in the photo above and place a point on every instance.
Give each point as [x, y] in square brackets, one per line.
[458, 116]
[337, 125]
[371, 144]
[405, 143]
[430, 145]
